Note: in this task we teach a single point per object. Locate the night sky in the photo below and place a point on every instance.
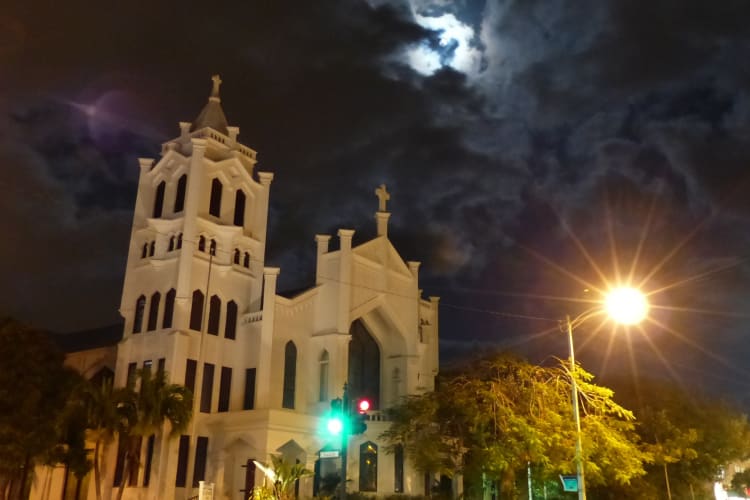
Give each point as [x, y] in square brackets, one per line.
[534, 149]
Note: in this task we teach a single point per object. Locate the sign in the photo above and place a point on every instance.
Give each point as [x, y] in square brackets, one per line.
[329, 454]
[205, 491]
[569, 483]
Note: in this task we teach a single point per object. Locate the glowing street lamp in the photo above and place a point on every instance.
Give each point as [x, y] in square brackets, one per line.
[624, 305]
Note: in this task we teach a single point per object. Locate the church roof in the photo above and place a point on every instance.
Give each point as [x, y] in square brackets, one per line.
[212, 115]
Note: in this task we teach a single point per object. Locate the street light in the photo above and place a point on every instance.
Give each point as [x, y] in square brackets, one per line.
[624, 305]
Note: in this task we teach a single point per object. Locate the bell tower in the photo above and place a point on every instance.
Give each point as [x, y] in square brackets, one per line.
[194, 275]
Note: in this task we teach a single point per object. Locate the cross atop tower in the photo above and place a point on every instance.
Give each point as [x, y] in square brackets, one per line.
[217, 83]
[383, 197]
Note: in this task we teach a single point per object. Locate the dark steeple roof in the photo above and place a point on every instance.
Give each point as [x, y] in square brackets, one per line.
[212, 115]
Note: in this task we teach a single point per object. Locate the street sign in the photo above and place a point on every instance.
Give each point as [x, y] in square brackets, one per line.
[329, 454]
[569, 482]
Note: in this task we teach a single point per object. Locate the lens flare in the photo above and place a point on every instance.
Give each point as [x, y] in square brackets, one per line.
[626, 305]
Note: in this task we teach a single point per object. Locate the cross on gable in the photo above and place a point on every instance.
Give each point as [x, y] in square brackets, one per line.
[217, 82]
[383, 197]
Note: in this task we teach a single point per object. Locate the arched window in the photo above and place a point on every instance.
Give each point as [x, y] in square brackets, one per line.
[179, 198]
[144, 252]
[368, 466]
[171, 244]
[212, 248]
[214, 205]
[202, 244]
[236, 258]
[159, 200]
[179, 241]
[246, 261]
[151, 249]
[214, 313]
[230, 330]
[140, 306]
[239, 208]
[290, 375]
[153, 311]
[169, 309]
[323, 381]
[196, 311]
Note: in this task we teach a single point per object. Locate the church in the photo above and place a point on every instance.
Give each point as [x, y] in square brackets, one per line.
[199, 303]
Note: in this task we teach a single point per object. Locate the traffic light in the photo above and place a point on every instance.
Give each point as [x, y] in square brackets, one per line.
[359, 420]
[335, 421]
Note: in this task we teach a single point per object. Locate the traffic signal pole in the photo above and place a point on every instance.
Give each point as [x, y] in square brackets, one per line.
[344, 440]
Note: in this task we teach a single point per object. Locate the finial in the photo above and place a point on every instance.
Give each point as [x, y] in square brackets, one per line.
[383, 197]
[217, 83]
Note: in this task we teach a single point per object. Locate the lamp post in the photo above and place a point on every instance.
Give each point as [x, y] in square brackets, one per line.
[624, 305]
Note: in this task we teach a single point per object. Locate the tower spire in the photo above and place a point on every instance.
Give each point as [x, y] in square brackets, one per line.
[212, 115]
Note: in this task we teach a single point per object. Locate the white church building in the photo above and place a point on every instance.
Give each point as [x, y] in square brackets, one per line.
[199, 302]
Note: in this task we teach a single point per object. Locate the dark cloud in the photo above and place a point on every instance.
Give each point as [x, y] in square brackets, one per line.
[620, 124]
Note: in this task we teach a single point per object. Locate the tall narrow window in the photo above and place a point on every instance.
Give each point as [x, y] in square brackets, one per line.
[152, 249]
[153, 311]
[225, 387]
[230, 329]
[236, 258]
[239, 208]
[130, 379]
[179, 241]
[323, 381]
[207, 387]
[140, 306]
[290, 375]
[149, 458]
[182, 462]
[368, 466]
[246, 262]
[214, 313]
[135, 446]
[212, 248]
[248, 403]
[214, 206]
[144, 252]
[171, 244]
[202, 244]
[169, 308]
[191, 366]
[196, 311]
[398, 469]
[201, 452]
[159, 200]
[179, 199]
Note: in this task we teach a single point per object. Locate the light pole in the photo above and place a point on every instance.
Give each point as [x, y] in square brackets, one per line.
[624, 305]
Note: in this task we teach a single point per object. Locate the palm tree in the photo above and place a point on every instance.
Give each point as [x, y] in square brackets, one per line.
[106, 417]
[155, 403]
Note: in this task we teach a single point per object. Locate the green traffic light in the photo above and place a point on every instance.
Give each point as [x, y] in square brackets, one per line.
[335, 426]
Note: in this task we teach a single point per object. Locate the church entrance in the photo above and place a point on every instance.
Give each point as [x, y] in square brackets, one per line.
[364, 365]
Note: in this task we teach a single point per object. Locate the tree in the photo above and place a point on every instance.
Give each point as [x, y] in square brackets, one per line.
[283, 476]
[503, 414]
[146, 410]
[692, 437]
[105, 409]
[35, 390]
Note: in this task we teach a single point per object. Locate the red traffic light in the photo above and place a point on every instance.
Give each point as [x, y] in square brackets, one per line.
[363, 405]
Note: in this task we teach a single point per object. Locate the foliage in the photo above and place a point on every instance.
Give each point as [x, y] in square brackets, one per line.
[741, 483]
[144, 411]
[104, 407]
[35, 409]
[283, 476]
[503, 413]
[691, 436]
